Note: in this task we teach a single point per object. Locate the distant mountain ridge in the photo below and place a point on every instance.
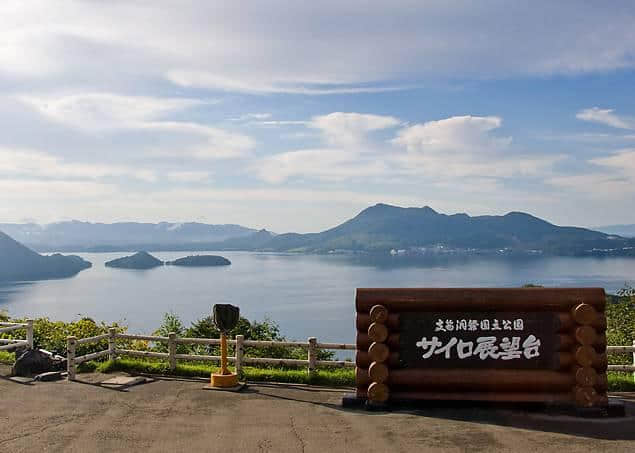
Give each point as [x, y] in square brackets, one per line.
[621, 230]
[384, 227]
[378, 229]
[84, 236]
[18, 262]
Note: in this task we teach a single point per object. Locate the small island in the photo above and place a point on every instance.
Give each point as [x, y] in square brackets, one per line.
[140, 260]
[200, 261]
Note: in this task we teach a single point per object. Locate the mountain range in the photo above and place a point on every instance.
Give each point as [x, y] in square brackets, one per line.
[380, 228]
[85, 236]
[18, 262]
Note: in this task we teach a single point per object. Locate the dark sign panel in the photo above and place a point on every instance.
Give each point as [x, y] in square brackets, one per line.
[478, 340]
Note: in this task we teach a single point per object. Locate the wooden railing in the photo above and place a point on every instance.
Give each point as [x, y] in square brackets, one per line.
[9, 344]
[620, 350]
[311, 345]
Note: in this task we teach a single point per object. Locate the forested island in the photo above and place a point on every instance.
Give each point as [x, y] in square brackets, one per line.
[140, 260]
[200, 261]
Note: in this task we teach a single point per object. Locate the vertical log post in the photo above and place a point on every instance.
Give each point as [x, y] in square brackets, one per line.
[112, 335]
[71, 343]
[172, 350]
[29, 334]
[634, 360]
[312, 356]
[587, 392]
[239, 351]
[378, 352]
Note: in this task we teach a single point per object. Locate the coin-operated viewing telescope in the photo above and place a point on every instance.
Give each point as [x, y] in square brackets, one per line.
[225, 318]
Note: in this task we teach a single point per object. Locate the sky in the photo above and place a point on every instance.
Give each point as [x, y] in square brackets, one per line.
[294, 116]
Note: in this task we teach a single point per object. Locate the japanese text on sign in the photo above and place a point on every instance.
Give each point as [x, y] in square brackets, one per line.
[509, 348]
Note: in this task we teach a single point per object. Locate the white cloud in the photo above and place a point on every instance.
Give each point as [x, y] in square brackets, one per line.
[613, 178]
[27, 164]
[442, 152]
[606, 117]
[113, 113]
[458, 134]
[99, 111]
[341, 128]
[623, 161]
[188, 176]
[296, 48]
[323, 164]
[463, 146]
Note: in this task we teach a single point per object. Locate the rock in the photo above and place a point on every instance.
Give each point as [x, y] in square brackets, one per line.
[37, 361]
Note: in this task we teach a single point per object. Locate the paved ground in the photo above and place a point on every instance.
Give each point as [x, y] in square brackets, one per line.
[177, 415]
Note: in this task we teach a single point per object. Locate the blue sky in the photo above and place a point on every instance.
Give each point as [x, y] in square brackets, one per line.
[294, 115]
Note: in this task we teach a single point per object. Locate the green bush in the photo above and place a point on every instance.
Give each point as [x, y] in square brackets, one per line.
[620, 323]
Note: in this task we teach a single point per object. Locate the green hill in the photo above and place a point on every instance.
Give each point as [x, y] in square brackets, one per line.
[383, 227]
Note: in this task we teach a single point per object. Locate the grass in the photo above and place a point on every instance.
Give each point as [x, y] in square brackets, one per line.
[618, 382]
[331, 377]
[7, 357]
[621, 382]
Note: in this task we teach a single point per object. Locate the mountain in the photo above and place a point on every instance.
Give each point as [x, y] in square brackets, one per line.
[86, 236]
[621, 230]
[383, 227]
[200, 261]
[18, 263]
[140, 260]
[255, 240]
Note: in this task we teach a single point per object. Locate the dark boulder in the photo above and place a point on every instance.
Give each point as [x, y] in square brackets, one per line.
[37, 361]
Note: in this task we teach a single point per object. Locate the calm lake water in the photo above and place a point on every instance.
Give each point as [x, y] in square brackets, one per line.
[307, 295]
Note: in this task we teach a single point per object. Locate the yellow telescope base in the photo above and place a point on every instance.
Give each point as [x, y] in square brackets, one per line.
[224, 380]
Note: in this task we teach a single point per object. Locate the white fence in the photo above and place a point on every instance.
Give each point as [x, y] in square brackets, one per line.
[311, 345]
[7, 345]
[620, 350]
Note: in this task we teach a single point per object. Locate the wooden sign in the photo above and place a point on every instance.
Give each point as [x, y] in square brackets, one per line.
[509, 345]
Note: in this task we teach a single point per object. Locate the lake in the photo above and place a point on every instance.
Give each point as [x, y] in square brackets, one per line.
[308, 295]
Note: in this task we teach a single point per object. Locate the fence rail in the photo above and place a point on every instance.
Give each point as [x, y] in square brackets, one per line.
[620, 350]
[239, 359]
[10, 344]
[311, 345]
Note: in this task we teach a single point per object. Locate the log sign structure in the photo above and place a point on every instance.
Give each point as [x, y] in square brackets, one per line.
[510, 345]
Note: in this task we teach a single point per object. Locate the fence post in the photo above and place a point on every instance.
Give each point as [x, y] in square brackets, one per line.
[71, 343]
[112, 335]
[634, 360]
[172, 350]
[29, 333]
[240, 351]
[312, 355]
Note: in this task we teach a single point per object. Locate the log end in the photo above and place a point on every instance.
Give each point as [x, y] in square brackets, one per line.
[378, 393]
[377, 332]
[378, 313]
[378, 352]
[378, 372]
